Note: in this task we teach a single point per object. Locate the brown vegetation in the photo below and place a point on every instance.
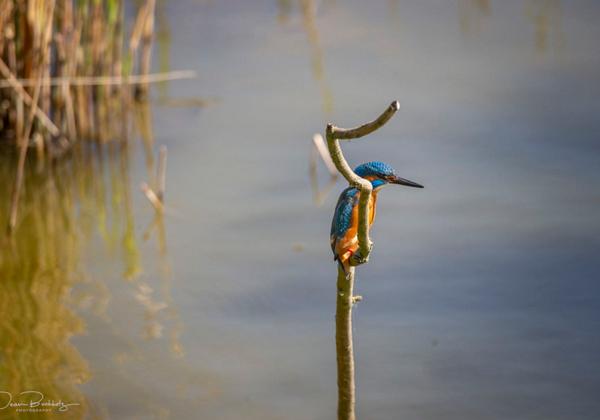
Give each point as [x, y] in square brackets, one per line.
[66, 75]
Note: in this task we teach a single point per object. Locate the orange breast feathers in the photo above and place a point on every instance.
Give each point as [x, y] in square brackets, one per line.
[348, 244]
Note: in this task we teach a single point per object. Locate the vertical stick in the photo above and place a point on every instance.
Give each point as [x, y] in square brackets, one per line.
[23, 141]
[343, 344]
[161, 173]
[22, 145]
[141, 92]
[345, 283]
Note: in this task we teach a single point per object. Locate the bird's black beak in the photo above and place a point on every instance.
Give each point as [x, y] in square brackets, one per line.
[402, 181]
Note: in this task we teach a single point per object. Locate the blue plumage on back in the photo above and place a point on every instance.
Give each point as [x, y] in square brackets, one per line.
[342, 217]
[343, 212]
[349, 197]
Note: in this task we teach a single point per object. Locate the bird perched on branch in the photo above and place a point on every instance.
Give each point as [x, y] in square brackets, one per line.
[344, 226]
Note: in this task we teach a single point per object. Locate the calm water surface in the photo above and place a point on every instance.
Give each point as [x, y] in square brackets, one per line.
[482, 298]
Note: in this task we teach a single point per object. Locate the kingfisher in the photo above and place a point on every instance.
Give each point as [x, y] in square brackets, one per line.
[344, 226]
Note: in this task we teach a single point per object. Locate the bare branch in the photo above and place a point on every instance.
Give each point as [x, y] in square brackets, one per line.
[345, 280]
[368, 128]
[343, 344]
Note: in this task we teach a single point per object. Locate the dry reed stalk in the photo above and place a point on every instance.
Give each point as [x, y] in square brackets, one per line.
[157, 199]
[152, 197]
[22, 146]
[17, 99]
[146, 33]
[24, 96]
[88, 50]
[24, 140]
[106, 80]
[161, 173]
[6, 7]
[64, 76]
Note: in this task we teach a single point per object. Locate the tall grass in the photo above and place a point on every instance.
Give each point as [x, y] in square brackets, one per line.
[65, 75]
[55, 46]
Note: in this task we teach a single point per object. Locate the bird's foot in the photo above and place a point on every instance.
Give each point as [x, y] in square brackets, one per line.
[358, 259]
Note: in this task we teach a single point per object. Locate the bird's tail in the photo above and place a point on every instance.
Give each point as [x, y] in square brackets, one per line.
[344, 266]
[344, 261]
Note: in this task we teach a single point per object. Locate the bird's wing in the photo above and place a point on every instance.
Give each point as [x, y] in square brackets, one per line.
[342, 217]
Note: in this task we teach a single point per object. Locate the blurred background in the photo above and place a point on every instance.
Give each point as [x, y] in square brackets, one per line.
[482, 296]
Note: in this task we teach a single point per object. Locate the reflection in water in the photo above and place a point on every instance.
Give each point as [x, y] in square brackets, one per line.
[163, 45]
[65, 208]
[143, 123]
[545, 15]
[285, 9]
[471, 15]
[38, 267]
[308, 19]
[309, 14]
[145, 293]
[394, 9]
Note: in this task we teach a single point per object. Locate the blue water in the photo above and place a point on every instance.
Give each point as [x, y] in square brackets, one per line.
[482, 296]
